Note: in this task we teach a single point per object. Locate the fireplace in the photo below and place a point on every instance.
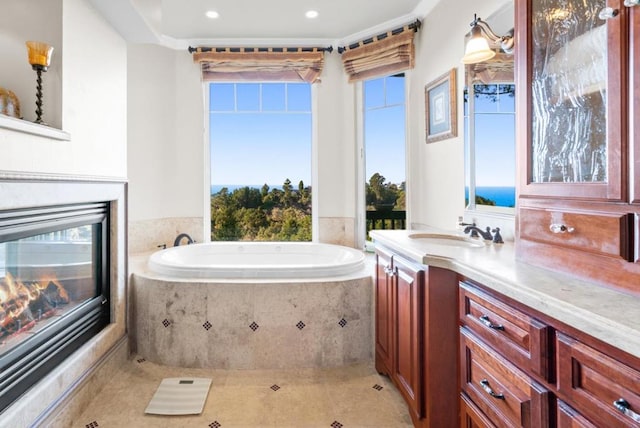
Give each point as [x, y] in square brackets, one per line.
[54, 288]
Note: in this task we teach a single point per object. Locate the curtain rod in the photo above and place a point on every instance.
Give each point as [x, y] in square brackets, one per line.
[415, 26]
[253, 50]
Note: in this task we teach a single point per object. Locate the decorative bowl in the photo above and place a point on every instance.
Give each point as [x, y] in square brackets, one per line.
[9, 103]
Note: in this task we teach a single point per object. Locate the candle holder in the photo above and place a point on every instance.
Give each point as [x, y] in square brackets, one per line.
[39, 58]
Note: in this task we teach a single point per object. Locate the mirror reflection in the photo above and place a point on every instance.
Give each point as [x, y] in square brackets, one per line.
[489, 122]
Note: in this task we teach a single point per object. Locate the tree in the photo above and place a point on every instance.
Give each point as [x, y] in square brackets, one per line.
[262, 214]
[379, 194]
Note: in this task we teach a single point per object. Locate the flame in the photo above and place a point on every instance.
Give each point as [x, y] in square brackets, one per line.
[22, 303]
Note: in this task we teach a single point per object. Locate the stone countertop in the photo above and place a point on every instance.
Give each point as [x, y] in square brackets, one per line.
[606, 314]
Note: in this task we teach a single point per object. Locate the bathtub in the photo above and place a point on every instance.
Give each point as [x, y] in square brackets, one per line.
[265, 260]
[253, 305]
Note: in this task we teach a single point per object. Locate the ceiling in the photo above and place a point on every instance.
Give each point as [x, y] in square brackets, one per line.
[180, 23]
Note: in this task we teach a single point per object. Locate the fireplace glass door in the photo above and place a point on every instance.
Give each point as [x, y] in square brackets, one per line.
[53, 289]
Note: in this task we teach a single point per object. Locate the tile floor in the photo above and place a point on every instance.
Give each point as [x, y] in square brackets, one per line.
[353, 396]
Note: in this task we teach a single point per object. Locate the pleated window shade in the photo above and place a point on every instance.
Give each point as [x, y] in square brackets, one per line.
[252, 64]
[381, 57]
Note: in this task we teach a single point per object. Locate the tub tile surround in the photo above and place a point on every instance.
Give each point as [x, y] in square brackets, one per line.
[349, 396]
[337, 230]
[169, 318]
[147, 235]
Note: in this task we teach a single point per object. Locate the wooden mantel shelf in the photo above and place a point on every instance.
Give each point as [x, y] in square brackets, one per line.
[27, 127]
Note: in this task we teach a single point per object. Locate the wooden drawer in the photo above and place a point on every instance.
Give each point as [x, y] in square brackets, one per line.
[523, 340]
[594, 384]
[505, 394]
[608, 234]
[569, 418]
[471, 416]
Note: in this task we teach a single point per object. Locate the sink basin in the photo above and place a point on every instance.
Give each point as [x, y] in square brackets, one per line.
[448, 240]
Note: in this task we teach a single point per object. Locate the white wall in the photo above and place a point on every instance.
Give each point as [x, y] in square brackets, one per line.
[336, 166]
[92, 107]
[436, 170]
[166, 134]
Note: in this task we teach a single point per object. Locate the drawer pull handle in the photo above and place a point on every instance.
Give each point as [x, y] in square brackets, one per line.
[486, 321]
[625, 408]
[560, 228]
[389, 271]
[485, 385]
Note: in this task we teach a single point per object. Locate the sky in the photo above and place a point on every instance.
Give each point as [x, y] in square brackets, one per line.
[261, 133]
[495, 141]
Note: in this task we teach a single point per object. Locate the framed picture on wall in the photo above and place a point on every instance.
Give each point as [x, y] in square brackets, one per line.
[440, 107]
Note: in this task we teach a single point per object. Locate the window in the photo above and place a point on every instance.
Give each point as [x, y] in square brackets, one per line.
[489, 120]
[384, 140]
[260, 140]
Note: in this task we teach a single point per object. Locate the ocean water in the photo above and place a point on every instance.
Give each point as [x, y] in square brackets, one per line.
[502, 196]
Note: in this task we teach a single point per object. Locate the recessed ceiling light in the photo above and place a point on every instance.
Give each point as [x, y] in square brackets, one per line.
[311, 14]
[212, 14]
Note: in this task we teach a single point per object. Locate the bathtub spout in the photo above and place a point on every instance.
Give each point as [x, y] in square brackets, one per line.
[179, 238]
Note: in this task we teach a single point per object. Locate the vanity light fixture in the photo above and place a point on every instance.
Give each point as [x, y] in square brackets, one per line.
[311, 14]
[477, 49]
[212, 14]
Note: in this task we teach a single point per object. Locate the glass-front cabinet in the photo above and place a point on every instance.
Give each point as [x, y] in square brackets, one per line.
[577, 61]
[577, 67]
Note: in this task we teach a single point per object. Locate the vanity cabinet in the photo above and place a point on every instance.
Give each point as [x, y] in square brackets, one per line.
[500, 348]
[602, 388]
[578, 144]
[416, 336]
[524, 369]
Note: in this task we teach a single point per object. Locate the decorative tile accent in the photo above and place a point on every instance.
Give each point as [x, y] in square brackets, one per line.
[342, 322]
[336, 424]
[378, 387]
[166, 323]
[300, 325]
[93, 424]
[215, 424]
[275, 387]
[141, 360]
[207, 325]
[253, 326]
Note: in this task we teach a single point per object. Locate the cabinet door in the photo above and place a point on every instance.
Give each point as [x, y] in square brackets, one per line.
[407, 371]
[573, 108]
[598, 386]
[384, 312]
[634, 37]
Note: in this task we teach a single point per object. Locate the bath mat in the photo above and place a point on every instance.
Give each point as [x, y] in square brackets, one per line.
[179, 396]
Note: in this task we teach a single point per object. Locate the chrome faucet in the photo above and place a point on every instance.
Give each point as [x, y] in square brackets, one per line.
[486, 234]
[179, 238]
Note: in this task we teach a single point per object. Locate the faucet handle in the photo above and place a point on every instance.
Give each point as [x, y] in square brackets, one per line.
[497, 238]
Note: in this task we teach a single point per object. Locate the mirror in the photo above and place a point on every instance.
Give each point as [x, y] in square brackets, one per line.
[489, 127]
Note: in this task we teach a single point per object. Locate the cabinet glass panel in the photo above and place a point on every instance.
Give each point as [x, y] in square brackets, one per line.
[569, 75]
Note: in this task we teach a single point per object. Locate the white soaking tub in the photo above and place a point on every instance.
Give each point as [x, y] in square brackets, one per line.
[268, 260]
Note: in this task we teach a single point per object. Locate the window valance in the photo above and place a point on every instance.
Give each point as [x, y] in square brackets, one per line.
[260, 64]
[381, 55]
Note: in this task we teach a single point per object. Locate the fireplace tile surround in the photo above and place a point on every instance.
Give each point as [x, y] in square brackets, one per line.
[67, 382]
